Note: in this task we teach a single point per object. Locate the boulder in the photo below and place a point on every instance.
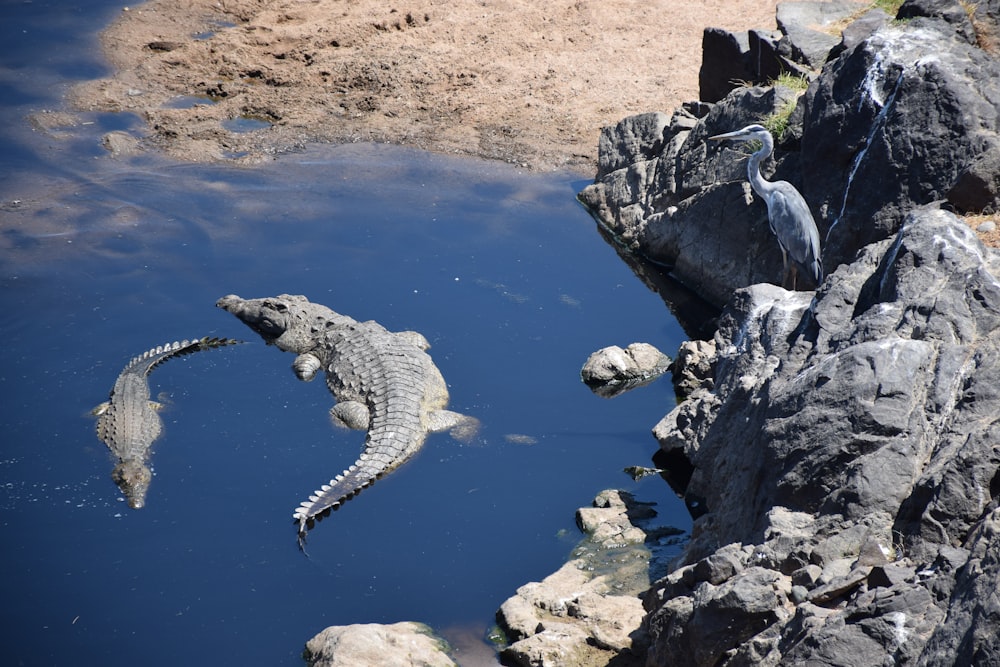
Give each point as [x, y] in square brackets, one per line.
[404, 644]
[912, 109]
[724, 63]
[950, 11]
[612, 370]
[848, 440]
[802, 44]
[806, 27]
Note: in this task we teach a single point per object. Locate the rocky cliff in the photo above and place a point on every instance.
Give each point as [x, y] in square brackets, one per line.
[903, 113]
[843, 444]
[846, 460]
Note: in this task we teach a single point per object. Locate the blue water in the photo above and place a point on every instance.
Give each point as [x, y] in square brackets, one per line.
[101, 259]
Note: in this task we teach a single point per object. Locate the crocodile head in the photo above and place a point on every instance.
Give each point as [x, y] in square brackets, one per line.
[133, 478]
[280, 320]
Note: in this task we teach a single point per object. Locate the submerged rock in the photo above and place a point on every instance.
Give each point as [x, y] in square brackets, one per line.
[589, 613]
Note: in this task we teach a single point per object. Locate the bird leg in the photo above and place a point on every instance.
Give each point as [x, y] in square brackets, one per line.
[784, 267]
[795, 276]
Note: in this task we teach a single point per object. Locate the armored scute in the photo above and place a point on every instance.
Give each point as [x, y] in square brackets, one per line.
[383, 382]
[128, 422]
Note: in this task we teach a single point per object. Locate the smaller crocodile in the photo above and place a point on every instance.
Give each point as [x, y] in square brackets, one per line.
[384, 382]
[128, 422]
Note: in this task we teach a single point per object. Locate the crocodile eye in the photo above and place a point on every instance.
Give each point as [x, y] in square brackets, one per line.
[270, 327]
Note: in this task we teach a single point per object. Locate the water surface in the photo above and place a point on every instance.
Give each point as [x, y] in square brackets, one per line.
[102, 259]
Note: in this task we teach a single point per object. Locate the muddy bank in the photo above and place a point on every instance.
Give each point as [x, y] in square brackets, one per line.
[518, 81]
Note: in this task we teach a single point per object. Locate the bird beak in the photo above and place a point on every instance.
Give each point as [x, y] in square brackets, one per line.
[727, 135]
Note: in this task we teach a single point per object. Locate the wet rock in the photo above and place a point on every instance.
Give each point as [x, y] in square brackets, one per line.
[588, 613]
[403, 644]
[120, 144]
[612, 370]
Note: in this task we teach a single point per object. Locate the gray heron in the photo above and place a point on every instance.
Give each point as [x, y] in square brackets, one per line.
[788, 213]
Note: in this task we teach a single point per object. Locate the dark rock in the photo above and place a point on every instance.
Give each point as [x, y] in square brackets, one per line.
[635, 139]
[977, 189]
[798, 22]
[770, 56]
[860, 29]
[799, 594]
[839, 587]
[766, 60]
[970, 635]
[832, 408]
[806, 576]
[722, 565]
[715, 619]
[912, 108]
[951, 11]
[891, 575]
[724, 63]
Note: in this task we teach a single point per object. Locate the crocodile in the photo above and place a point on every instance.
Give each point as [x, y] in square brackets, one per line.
[382, 382]
[128, 422]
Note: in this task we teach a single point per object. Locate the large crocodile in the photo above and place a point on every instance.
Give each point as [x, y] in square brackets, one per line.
[128, 422]
[383, 382]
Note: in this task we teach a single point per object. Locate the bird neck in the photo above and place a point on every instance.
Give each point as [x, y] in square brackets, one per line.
[757, 182]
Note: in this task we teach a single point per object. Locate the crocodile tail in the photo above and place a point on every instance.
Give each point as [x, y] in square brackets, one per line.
[339, 490]
[147, 361]
[190, 347]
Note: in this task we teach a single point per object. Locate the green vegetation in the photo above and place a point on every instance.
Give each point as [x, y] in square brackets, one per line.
[793, 81]
[777, 122]
[890, 7]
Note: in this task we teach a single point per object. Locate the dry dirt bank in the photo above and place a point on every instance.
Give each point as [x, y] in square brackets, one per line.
[518, 80]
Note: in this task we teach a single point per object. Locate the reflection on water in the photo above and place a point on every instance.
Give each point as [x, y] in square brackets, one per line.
[101, 259]
[501, 271]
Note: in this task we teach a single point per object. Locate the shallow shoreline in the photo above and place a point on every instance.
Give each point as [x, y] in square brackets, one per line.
[510, 81]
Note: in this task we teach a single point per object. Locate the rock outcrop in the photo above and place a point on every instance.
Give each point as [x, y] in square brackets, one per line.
[588, 613]
[846, 467]
[901, 114]
[840, 449]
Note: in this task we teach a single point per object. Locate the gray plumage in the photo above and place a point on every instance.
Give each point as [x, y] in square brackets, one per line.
[788, 213]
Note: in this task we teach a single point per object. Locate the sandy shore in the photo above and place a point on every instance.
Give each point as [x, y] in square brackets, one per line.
[522, 81]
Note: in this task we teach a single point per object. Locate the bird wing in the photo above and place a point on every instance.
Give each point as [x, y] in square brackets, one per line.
[792, 222]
